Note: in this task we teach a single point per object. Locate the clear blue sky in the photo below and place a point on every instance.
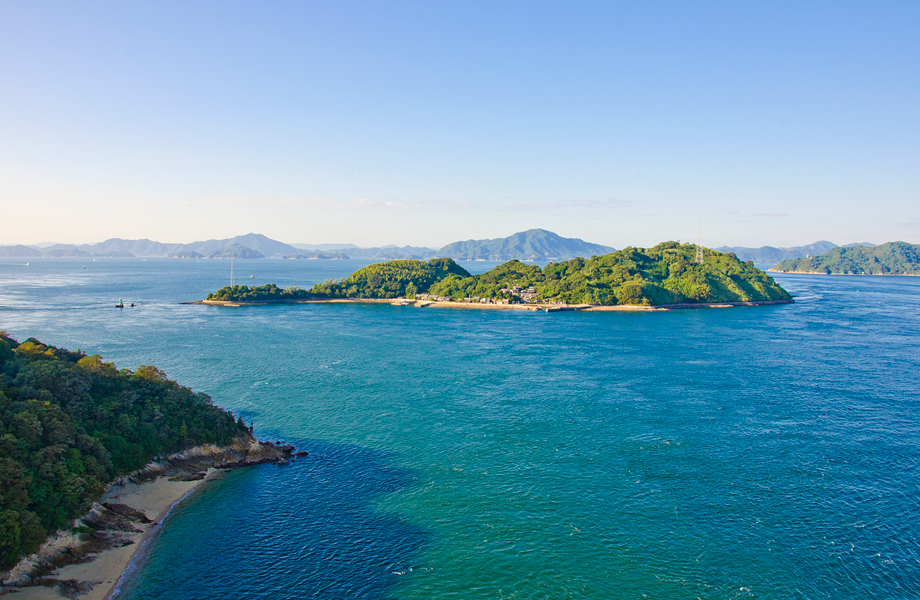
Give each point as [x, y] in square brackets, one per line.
[424, 123]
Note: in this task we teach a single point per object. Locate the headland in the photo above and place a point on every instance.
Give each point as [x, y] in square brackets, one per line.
[90, 560]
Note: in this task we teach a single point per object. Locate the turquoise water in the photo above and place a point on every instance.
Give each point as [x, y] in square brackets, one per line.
[767, 452]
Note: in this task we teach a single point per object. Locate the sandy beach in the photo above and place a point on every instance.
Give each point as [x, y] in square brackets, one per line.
[155, 499]
[88, 565]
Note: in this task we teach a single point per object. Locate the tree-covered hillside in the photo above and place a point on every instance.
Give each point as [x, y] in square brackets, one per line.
[390, 279]
[893, 258]
[665, 274]
[70, 423]
[257, 293]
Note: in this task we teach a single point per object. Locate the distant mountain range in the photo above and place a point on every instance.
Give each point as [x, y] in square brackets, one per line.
[535, 244]
[254, 243]
[893, 258]
[770, 255]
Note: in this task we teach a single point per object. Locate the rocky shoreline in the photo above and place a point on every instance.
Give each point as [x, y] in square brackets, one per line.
[110, 533]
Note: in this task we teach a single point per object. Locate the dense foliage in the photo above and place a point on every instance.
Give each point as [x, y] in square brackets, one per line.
[665, 274]
[69, 423]
[390, 279]
[893, 258]
[257, 293]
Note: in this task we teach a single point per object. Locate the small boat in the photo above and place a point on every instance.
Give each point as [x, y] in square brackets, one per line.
[121, 303]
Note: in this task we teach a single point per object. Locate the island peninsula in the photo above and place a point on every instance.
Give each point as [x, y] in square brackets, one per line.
[92, 458]
[666, 276]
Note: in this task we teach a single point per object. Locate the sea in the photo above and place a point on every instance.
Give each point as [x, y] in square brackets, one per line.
[755, 452]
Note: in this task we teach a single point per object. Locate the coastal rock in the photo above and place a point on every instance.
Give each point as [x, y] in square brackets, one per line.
[126, 511]
[301, 454]
[108, 525]
[69, 588]
[189, 476]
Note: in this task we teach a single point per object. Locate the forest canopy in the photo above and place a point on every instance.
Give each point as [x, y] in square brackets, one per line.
[70, 423]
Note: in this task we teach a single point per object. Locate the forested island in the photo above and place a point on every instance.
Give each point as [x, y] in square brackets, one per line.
[893, 258]
[71, 423]
[664, 275]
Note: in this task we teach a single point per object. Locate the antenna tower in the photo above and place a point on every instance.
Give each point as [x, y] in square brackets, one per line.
[699, 245]
[231, 272]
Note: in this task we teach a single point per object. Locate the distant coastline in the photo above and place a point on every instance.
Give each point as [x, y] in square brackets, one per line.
[547, 308]
[892, 258]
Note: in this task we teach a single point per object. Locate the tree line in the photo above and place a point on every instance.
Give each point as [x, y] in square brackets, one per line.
[71, 423]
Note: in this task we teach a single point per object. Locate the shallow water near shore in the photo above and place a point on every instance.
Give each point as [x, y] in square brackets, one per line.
[767, 452]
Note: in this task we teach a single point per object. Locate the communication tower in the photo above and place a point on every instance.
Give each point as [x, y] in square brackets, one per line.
[699, 245]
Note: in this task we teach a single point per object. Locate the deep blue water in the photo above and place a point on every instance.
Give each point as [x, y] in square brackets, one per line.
[766, 452]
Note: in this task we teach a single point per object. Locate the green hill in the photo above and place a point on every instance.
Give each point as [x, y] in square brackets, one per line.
[257, 293]
[70, 423]
[390, 279]
[665, 274]
[893, 258]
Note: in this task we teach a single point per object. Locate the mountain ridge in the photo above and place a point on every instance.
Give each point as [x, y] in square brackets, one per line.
[533, 244]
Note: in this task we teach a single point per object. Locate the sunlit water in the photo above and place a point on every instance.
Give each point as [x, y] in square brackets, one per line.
[767, 452]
